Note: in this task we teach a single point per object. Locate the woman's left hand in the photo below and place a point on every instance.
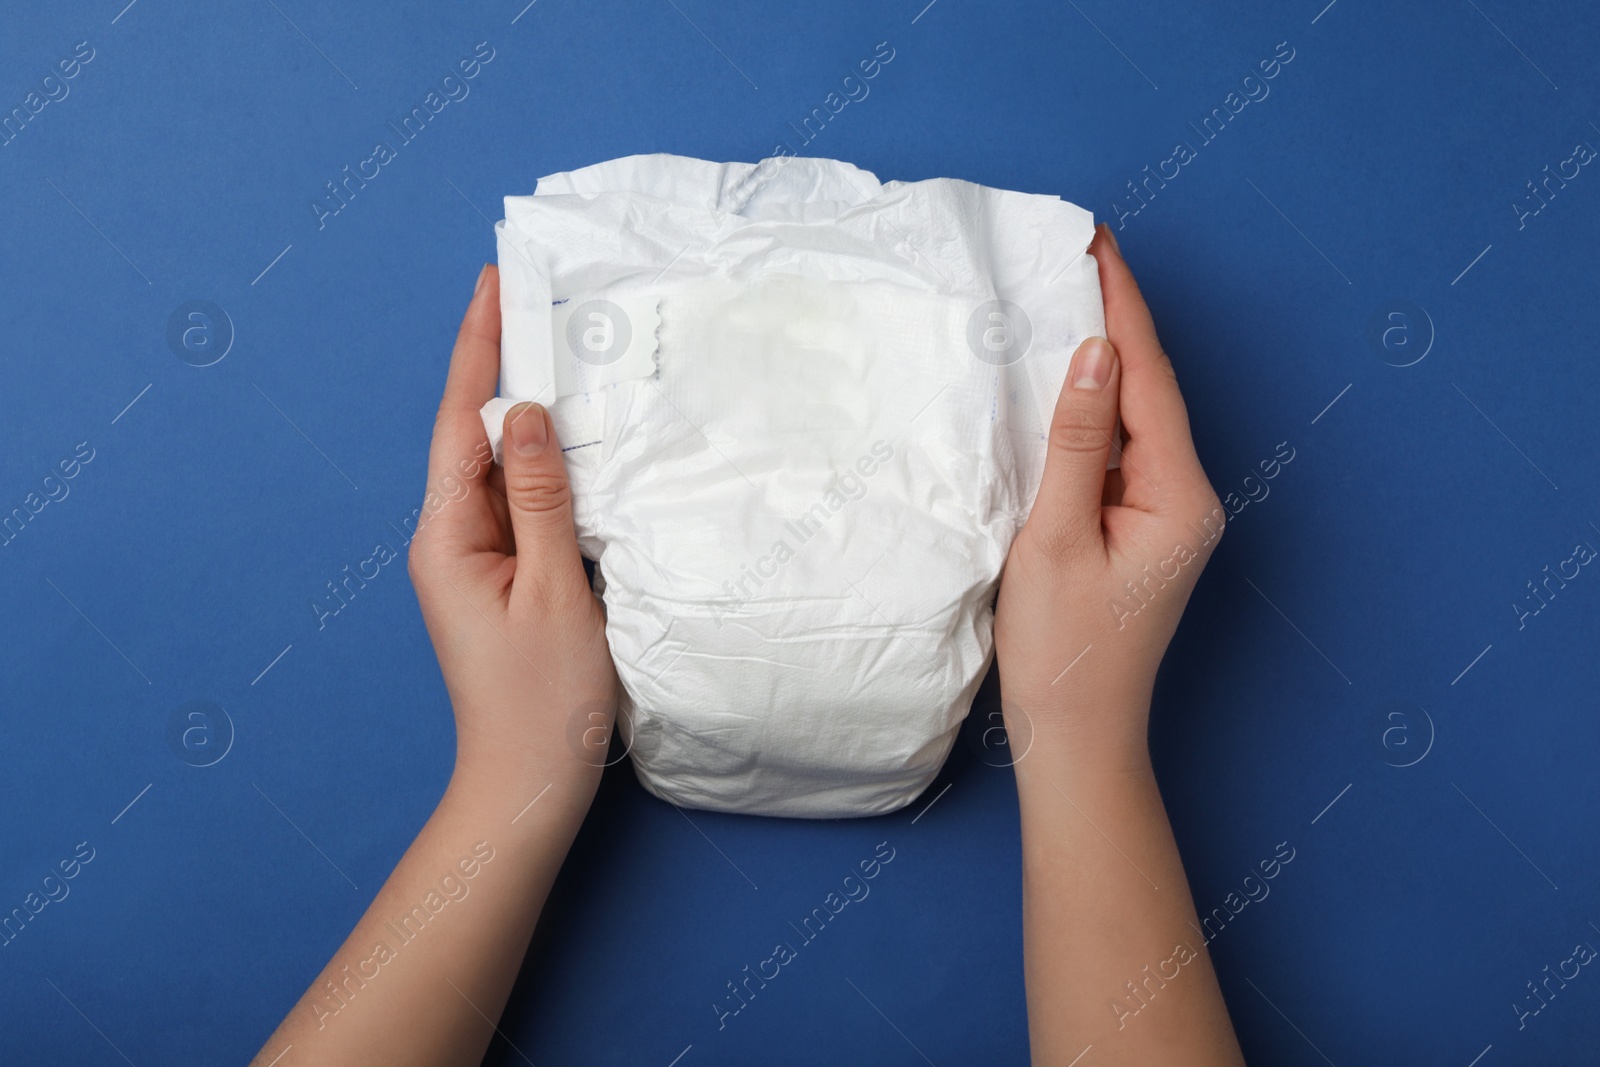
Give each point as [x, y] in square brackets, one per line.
[519, 634]
[521, 640]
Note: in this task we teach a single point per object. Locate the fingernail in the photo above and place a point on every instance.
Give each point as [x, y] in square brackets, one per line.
[528, 435]
[1115, 247]
[1091, 368]
[482, 274]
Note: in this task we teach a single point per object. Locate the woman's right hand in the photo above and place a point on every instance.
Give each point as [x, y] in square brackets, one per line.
[1101, 571]
[1090, 597]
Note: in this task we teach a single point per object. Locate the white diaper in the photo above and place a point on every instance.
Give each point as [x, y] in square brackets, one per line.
[804, 414]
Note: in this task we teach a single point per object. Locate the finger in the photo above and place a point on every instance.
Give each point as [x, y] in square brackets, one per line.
[459, 442]
[1066, 512]
[1152, 407]
[539, 498]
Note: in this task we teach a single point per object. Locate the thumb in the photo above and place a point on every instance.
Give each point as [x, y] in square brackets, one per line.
[539, 499]
[1066, 512]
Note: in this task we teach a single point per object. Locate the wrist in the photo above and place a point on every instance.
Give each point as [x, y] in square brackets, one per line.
[505, 782]
[528, 824]
[1092, 735]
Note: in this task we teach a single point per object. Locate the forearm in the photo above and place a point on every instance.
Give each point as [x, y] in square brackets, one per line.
[1111, 950]
[426, 972]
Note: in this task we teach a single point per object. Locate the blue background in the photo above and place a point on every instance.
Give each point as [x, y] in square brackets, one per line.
[1357, 617]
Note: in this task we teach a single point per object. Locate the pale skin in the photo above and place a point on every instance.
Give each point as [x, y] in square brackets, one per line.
[521, 643]
[1103, 890]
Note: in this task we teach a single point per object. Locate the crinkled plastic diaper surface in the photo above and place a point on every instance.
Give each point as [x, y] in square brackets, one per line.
[804, 416]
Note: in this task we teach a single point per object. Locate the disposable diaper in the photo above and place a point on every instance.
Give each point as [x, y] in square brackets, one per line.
[804, 414]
